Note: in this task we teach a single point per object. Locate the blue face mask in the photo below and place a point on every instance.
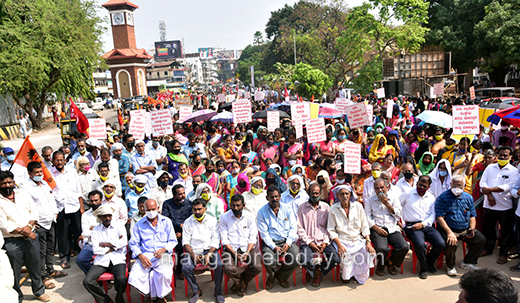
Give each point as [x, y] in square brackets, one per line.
[443, 173]
[342, 137]
[11, 157]
[38, 178]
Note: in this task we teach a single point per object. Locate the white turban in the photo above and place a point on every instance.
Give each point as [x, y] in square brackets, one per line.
[302, 185]
[200, 188]
[116, 146]
[141, 179]
[104, 209]
[256, 179]
[353, 196]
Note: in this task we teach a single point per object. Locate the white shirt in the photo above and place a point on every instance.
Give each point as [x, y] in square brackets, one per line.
[44, 200]
[419, 209]
[115, 234]
[88, 220]
[254, 202]
[405, 187]
[238, 233]
[502, 178]
[98, 184]
[294, 202]
[188, 184]
[113, 167]
[85, 183]
[156, 153]
[200, 236]
[368, 188]
[19, 172]
[120, 214]
[16, 214]
[378, 214]
[67, 190]
[160, 195]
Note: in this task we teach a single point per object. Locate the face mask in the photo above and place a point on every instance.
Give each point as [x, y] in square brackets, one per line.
[236, 171]
[90, 149]
[408, 176]
[426, 162]
[211, 170]
[108, 195]
[237, 212]
[139, 188]
[294, 192]
[155, 144]
[471, 149]
[340, 181]
[314, 200]
[196, 163]
[183, 175]
[376, 174]
[408, 126]
[438, 137]
[270, 180]
[371, 138]
[7, 191]
[503, 162]
[379, 130]
[176, 151]
[462, 150]
[256, 191]
[450, 147]
[256, 167]
[443, 173]
[11, 157]
[292, 162]
[504, 127]
[130, 145]
[37, 178]
[239, 142]
[420, 139]
[81, 150]
[130, 184]
[151, 214]
[243, 165]
[421, 191]
[457, 191]
[163, 183]
[103, 178]
[199, 218]
[205, 196]
[321, 181]
[342, 138]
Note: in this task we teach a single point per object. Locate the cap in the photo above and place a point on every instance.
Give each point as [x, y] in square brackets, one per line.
[7, 150]
[141, 179]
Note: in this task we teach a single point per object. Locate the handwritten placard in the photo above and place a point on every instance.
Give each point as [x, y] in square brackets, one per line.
[221, 98]
[247, 95]
[316, 130]
[242, 112]
[341, 104]
[137, 126]
[185, 112]
[161, 123]
[466, 120]
[230, 98]
[389, 108]
[273, 120]
[357, 115]
[97, 129]
[438, 89]
[352, 159]
[259, 96]
[370, 111]
[472, 93]
[300, 111]
[381, 93]
[298, 125]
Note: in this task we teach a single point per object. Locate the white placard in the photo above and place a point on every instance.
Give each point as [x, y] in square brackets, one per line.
[316, 130]
[298, 125]
[185, 112]
[247, 95]
[357, 115]
[161, 122]
[300, 111]
[381, 93]
[221, 98]
[287, 98]
[148, 127]
[273, 120]
[97, 129]
[137, 126]
[352, 158]
[370, 111]
[466, 120]
[242, 112]
[230, 98]
[389, 108]
[341, 104]
[137, 112]
[472, 93]
[259, 96]
[438, 89]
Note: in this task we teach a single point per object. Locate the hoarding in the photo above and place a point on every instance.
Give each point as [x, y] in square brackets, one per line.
[168, 49]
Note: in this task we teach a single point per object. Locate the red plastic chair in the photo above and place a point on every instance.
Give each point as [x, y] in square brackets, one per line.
[108, 276]
[281, 259]
[389, 254]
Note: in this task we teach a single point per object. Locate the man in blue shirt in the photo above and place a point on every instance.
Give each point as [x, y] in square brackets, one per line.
[278, 229]
[456, 221]
[143, 164]
[134, 195]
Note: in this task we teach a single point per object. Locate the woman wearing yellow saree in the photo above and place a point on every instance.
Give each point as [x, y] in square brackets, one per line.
[380, 149]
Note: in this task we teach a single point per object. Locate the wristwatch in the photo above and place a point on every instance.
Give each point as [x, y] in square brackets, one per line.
[368, 240]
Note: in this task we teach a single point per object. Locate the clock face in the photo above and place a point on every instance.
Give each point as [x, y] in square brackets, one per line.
[129, 18]
[118, 18]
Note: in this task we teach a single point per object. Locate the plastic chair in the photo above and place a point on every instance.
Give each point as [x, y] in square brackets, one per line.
[281, 259]
[389, 254]
[108, 276]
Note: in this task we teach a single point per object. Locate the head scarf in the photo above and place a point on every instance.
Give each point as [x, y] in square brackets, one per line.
[275, 166]
[353, 196]
[335, 135]
[102, 210]
[241, 190]
[81, 160]
[436, 187]
[302, 185]
[256, 179]
[200, 188]
[424, 146]
[277, 181]
[293, 169]
[426, 169]
[380, 125]
[375, 154]
[116, 146]
[160, 173]
[325, 175]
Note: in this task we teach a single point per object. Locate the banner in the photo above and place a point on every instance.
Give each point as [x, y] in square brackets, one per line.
[389, 108]
[28, 153]
[161, 122]
[137, 126]
[182, 102]
[466, 120]
[381, 93]
[221, 98]
[259, 96]
[300, 111]
[230, 98]
[341, 104]
[352, 158]
[97, 129]
[357, 115]
[242, 112]
[81, 120]
[252, 76]
[316, 130]
[438, 89]
[138, 112]
[185, 112]
[273, 120]
[472, 93]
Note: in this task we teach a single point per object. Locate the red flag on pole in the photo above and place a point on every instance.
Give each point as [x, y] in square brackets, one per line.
[286, 94]
[312, 98]
[120, 118]
[28, 153]
[81, 120]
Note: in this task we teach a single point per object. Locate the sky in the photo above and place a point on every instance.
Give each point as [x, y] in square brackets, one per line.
[229, 24]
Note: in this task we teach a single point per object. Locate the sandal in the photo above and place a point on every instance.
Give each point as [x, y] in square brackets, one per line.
[284, 284]
[242, 292]
[316, 283]
[65, 265]
[345, 281]
[48, 284]
[380, 272]
[235, 287]
[392, 270]
[58, 274]
[269, 285]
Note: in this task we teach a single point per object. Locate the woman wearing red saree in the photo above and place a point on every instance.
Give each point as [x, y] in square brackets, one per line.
[211, 177]
[268, 151]
[388, 165]
[196, 166]
[293, 148]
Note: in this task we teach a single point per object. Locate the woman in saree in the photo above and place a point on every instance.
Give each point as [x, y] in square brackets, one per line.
[272, 178]
[293, 148]
[326, 147]
[476, 173]
[380, 149]
[260, 140]
[245, 151]
[241, 187]
[323, 180]
[341, 141]
[232, 178]
[459, 159]
[388, 165]
[211, 178]
[228, 152]
[213, 141]
[173, 158]
[268, 151]
[196, 166]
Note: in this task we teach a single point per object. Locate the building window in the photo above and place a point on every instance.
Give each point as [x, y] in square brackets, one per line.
[158, 74]
[166, 73]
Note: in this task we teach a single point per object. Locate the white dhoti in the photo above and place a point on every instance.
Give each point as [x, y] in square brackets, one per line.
[356, 262]
[154, 281]
[8, 294]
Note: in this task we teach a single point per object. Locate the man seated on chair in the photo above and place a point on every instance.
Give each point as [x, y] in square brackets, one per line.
[152, 243]
[109, 246]
[200, 239]
[239, 234]
[419, 216]
[88, 222]
[312, 231]
[383, 212]
[277, 227]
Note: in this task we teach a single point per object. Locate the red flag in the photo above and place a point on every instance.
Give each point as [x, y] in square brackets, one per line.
[312, 98]
[81, 120]
[28, 153]
[286, 94]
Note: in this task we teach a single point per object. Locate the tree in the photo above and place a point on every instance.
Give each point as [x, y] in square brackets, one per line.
[47, 48]
[313, 82]
[250, 56]
[369, 73]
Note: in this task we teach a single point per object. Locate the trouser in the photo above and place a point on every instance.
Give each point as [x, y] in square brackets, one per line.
[475, 246]
[244, 273]
[178, 255]
[271, 261]
[65, 223]
[46, 237]
[97, 291]
[517, 230]
[331, 256]
[419, 239]
[84, 259]
[215, 264]
[381, 243]
[25, 252]
[506, 219]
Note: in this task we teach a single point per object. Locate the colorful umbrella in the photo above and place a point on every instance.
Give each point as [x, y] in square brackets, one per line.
[436, 118]
[510, 115]
[225, 117]
[200, 115]
[331, 113]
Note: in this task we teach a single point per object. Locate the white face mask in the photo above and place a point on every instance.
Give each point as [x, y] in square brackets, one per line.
[457, 191]
[504, 127]
[292, 162]
[151, 214]
[340, 181]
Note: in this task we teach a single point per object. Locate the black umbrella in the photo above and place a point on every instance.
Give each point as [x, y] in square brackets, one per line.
[496, 105]
[228, 105]
[263, 114]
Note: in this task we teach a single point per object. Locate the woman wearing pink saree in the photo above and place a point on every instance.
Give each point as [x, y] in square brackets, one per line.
[268, 151]
[211, 178]
[293, 148]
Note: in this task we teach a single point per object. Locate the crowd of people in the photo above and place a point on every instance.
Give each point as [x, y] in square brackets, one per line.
[234, 199]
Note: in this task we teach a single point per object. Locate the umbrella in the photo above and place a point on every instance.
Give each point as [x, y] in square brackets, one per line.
[510, 115]
[327, 112]
[497, 105]
[225, 117]
[436, 118]
[200, 115]
[263, 114]
[228, 105]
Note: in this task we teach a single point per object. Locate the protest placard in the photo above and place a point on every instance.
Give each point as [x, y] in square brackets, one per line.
[161, 122]
[357, 115]
[230, 98]
[298, 125]
[341, 104]
[138, 112]
[221, 98]
[316, 130]
[300, 111]
[381, 93]
[273, 120]
[466, 120]
[182, 102]
[370, 111]
[472, 93]
[247, 95]
[185, 112]
[242, 112]
[97, 129]
[240, 93]
[389, 108]
[148, 125]
[259, 96]
[438, 89]
[137, 126]
[352, 158]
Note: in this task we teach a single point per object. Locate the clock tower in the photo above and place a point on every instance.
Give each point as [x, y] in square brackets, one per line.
[127, 62]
